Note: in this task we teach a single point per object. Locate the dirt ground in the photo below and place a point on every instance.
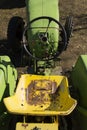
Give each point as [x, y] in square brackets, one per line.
[77, 8]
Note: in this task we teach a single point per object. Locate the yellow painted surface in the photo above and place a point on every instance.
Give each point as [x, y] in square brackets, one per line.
[40, 126]
[41, 95]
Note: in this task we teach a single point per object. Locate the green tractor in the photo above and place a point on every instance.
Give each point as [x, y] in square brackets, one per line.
[43, 33]
[39, 99]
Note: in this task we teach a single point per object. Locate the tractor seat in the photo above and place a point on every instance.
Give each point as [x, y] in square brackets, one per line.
[41, 95]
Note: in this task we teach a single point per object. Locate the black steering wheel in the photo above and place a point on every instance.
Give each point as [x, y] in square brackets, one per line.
[50, 20]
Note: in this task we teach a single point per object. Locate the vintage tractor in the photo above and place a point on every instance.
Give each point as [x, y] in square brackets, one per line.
[41, 99]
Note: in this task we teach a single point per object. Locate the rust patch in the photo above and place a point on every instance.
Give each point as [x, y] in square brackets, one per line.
[38, 91]
[25, 125]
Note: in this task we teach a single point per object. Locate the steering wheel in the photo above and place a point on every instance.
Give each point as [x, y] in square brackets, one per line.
[50, 19]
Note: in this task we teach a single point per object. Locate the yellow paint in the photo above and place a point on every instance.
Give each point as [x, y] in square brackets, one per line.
[57, 103]
[40, 126]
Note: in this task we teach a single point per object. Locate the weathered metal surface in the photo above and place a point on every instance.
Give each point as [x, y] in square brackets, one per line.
[38, 91]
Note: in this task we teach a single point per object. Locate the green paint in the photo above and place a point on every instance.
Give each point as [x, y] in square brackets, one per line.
[79, 82]
[8, 78]
[41, 8]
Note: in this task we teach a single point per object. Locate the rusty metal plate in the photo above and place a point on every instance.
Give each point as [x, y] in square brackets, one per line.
[38, 91]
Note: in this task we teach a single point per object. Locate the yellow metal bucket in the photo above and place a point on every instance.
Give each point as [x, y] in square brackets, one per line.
[41, 95]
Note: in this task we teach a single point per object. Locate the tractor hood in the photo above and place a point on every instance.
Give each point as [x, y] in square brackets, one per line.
[43, 35]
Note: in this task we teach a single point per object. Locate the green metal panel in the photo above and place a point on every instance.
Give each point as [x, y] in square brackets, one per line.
[8, 78]
[38, 8]
[79, 80]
